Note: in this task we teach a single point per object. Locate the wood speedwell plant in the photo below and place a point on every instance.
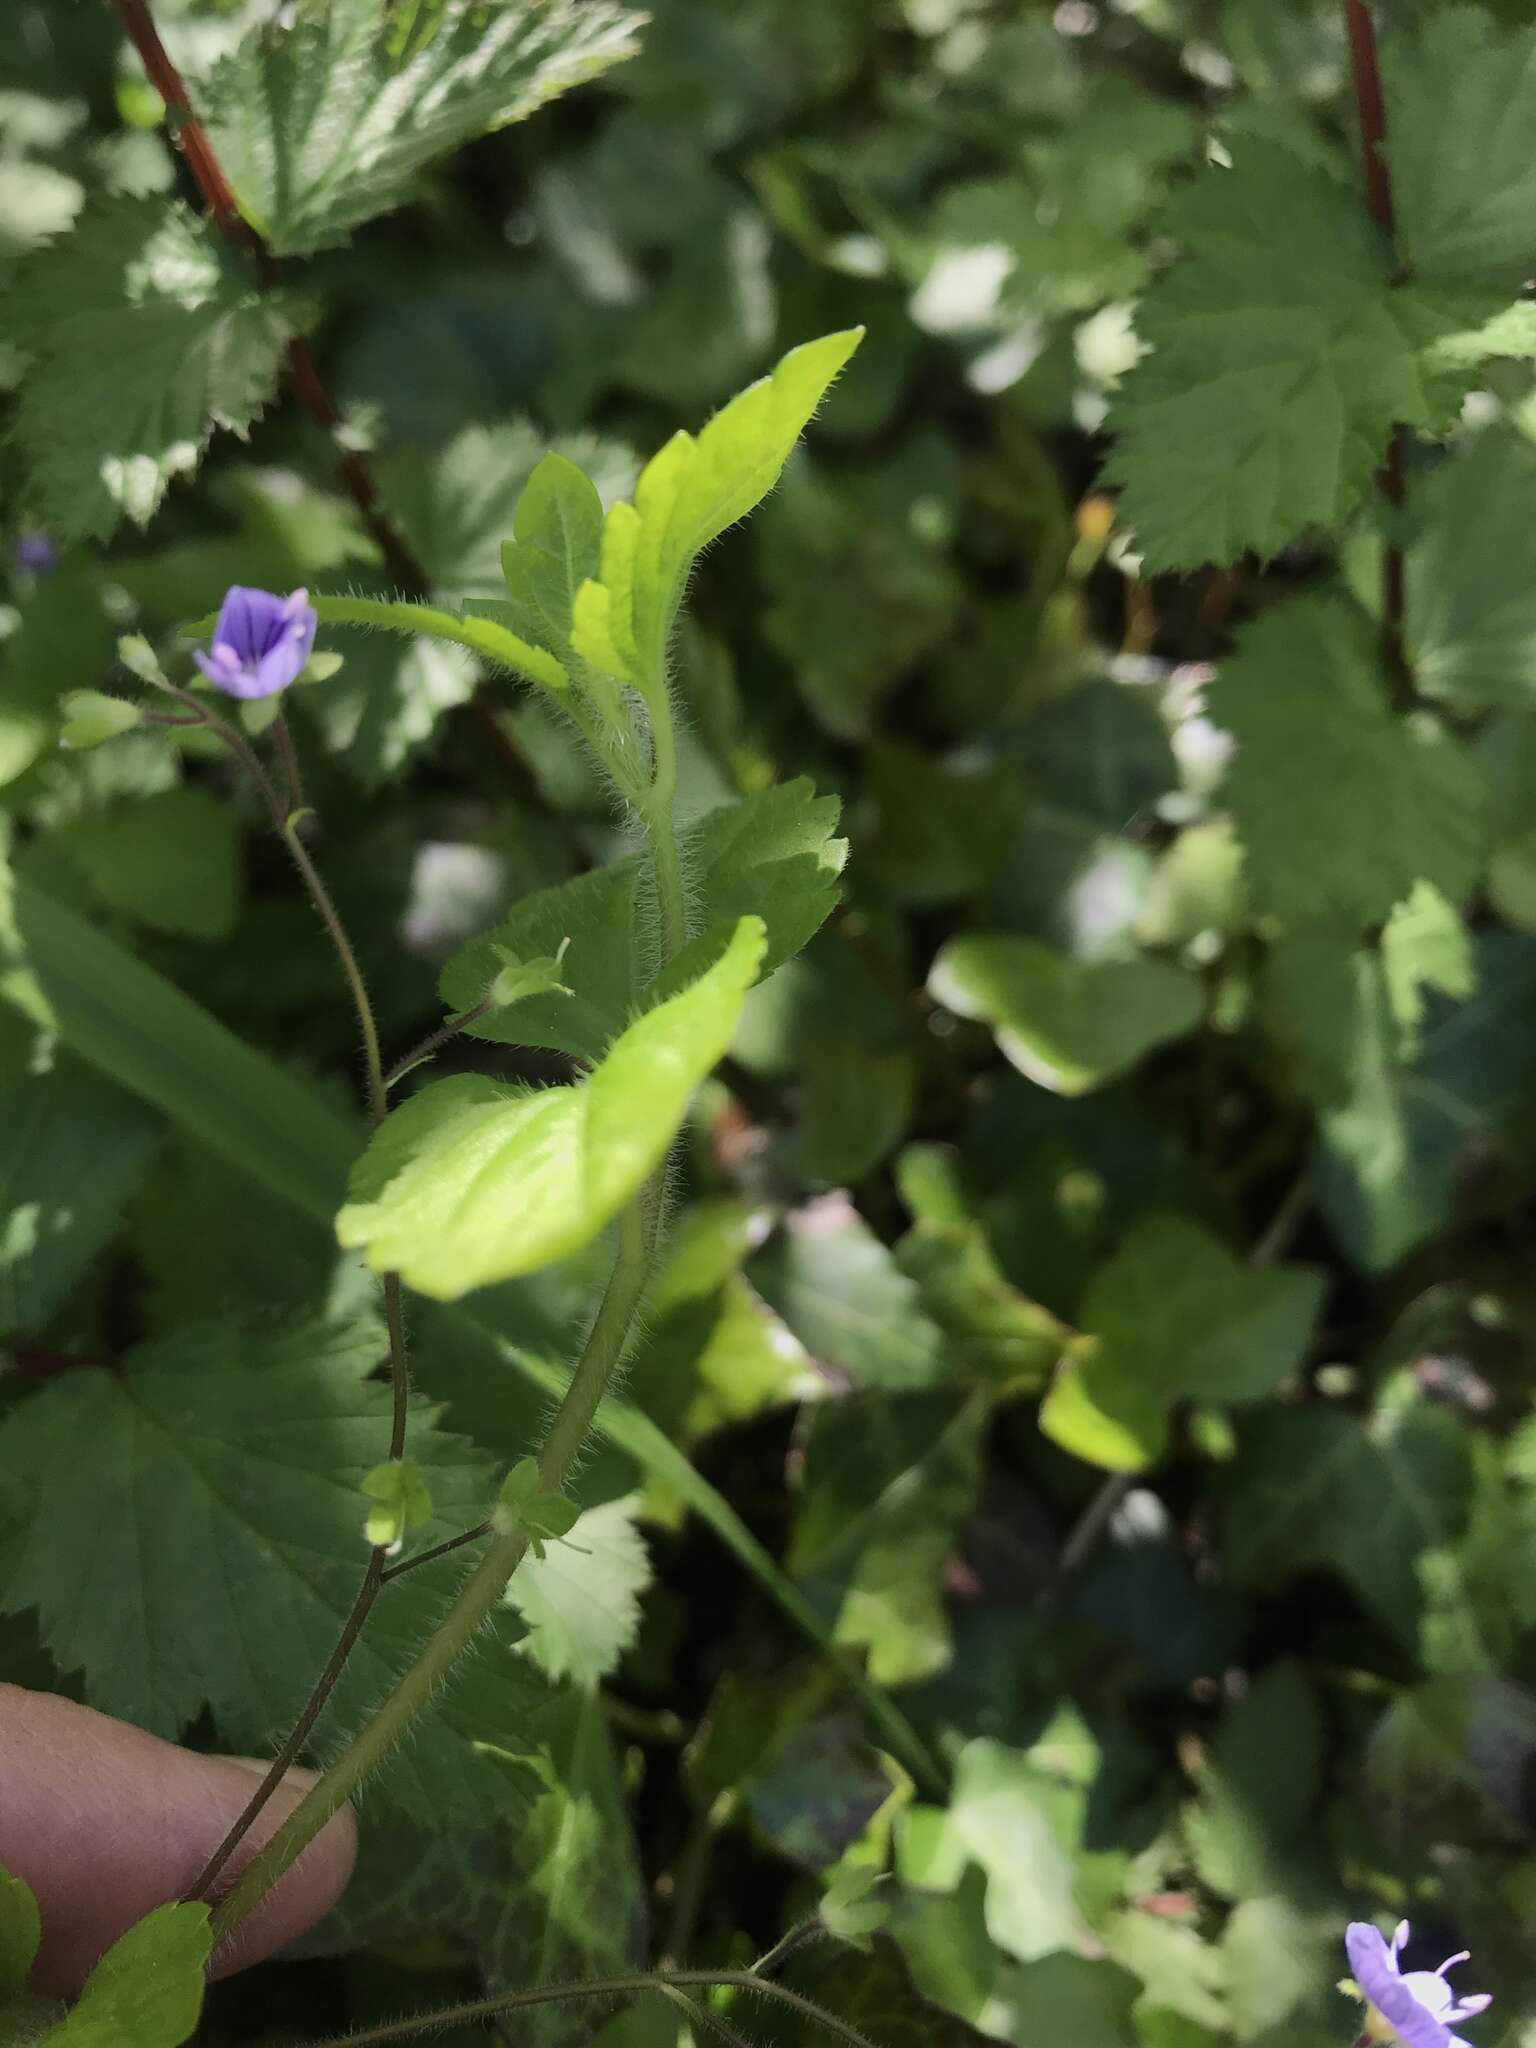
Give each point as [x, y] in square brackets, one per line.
[1325, 309]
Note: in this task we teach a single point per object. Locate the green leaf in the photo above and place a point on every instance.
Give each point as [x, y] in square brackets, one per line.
[173, 860]
[142, 1031]
[21, 1929]
[713, 1353]
[875, 1994]
[1374, 1501]
[1471, 577]
[581, 1600]
[1398, 1114]
[889, 1484]
[1464, 210]
[1424, 946]
[224, 1473]
[148, 1987]
[1282, 355]
[400, 1501]
[598, 915]
[91, 718]
[74, 1149]
[1007, 1818]
[840, 1291]
[1259, 1786]
[687, 496]
[62, 635]
[995, 1333]
[328, 123]
[457, 504]
[469, 1183]
[1174, 1317]
[558, 543]
[773, 854]
[541, 1885]
[192, 343]
[1069, 1025]
[1341, 807]
[940, 828]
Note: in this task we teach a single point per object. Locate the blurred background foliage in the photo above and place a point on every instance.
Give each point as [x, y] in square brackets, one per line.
[1114, 1320]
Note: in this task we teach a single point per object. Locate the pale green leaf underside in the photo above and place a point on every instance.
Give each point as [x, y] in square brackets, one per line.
[581, 1599]
[469, 1184]
[1068, 1025]
[324, 125]
[192, 344]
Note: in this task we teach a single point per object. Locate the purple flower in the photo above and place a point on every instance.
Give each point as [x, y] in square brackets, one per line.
[1417, 2006]
[35, 553]
[260, 643]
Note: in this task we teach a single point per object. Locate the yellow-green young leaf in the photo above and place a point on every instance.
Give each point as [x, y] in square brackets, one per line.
[399, 1502]
[471, 1183]
[687, 496]
[20, 1932]
[91, 716]
[1070, 1025]
[147, 1990]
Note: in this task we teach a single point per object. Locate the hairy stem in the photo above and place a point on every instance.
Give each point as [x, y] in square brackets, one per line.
[481, 1592]
[394, 1312]
[301, 1730]
[409, 1564]
[669, 887]
[602, 1987]
[435, 1039]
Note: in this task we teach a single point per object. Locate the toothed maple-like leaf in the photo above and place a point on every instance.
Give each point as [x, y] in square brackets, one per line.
[1281, 355]
[145, 332]
[325, 124]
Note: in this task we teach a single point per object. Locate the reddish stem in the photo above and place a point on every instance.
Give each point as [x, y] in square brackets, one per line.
[309, 387]
[1371, 111]
[1365, 67]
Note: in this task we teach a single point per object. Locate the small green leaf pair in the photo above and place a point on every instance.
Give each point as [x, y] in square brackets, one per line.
[400, 1502]
[546, 1516]
[471, 1182]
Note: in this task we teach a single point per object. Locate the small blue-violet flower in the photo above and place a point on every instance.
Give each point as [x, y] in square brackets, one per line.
[261, 642]
[1419, 2008]
[35, 553]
